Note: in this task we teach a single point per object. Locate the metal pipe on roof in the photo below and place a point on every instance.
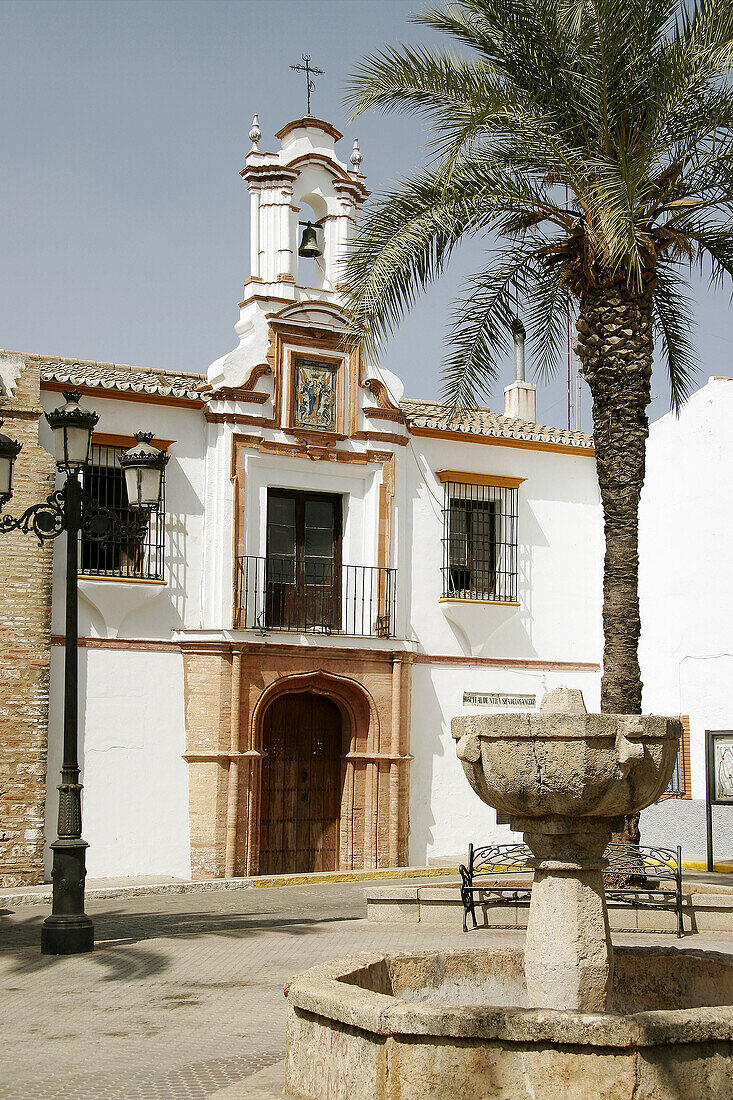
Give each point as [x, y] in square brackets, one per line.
[519, 333]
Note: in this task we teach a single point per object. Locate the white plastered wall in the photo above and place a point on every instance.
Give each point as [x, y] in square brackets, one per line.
[560, 540]
[131, 716]
[686, 594]
[216, 576]
[131, 737]
[445, 814]
[560, 544]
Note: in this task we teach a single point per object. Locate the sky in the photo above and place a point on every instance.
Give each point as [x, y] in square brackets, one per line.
[123, 218]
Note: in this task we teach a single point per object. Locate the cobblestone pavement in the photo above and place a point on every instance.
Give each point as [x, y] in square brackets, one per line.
[182, 997]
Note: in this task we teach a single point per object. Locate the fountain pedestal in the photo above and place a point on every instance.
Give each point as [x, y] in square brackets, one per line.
[568, 957]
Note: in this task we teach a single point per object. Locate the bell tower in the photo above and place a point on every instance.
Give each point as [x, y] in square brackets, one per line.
[304, 182]
[305, 204]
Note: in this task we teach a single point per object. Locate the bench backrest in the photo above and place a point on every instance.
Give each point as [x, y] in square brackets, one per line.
[499, 859]
[629, 859]
[626, 859]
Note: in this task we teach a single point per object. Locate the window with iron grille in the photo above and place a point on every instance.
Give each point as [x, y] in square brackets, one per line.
[680, 785]
[122, 554]
[480, 542]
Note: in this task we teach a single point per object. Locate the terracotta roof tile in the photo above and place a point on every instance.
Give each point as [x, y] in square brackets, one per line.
[117, 376]
[430, 414]
[187, 385]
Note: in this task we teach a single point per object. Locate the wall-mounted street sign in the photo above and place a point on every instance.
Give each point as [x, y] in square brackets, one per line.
[498, 699]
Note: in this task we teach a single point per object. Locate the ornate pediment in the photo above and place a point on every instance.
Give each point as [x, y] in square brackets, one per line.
[312, 315]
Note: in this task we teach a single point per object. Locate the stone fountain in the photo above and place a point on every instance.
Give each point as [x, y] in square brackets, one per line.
[564, 1019]
[563, 777]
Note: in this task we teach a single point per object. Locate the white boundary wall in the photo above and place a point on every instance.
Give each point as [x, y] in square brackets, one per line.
[686, 591]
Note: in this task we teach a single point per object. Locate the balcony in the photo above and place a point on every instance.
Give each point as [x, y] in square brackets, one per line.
[315, 597]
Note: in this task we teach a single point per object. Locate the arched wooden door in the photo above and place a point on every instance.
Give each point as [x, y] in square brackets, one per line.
[301, 785]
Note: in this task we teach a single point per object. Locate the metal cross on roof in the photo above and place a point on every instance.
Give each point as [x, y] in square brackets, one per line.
[308, 69]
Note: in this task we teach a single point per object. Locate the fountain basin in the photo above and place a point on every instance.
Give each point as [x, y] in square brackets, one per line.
[546, 765]
[423, 1025]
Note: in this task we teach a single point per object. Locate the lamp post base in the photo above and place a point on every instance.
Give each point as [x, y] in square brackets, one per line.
[67, 935]
[68, 931]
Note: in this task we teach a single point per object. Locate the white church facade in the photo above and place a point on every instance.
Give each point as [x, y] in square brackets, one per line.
[267, 679]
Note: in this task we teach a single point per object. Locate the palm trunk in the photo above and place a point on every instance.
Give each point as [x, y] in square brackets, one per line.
[615, 346]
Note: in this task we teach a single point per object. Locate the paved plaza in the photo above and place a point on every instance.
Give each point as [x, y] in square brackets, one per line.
[183, 997]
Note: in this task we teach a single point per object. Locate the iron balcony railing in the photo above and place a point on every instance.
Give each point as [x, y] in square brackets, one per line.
[314, 596]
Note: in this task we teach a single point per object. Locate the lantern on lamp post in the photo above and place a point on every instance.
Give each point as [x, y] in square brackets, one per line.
[143, 467]
[72, 429]
[9, 450]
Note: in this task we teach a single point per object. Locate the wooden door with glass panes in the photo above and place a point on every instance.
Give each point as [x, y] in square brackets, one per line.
[303, 561]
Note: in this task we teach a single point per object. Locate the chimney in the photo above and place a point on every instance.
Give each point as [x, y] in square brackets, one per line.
[520, 399]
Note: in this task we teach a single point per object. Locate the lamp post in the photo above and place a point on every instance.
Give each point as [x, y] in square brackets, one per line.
[69, 931]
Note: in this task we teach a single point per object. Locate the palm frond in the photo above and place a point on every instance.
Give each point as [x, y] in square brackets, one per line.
[416, 78]
[674, 321]
[547, 311]
[407, 237]
[480, 325]
[625, 106]
[404, 243]
[713, 240]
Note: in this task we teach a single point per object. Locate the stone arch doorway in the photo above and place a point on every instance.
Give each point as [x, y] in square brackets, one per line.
[301, 784]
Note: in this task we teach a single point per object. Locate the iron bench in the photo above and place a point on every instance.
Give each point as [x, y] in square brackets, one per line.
[656, 874]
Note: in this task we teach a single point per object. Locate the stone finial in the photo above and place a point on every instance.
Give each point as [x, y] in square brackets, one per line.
[356, 158]
[563, 700]
[255, 134]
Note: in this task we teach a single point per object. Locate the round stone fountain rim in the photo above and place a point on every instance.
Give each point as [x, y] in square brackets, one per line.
[511, 726]
[325, 991]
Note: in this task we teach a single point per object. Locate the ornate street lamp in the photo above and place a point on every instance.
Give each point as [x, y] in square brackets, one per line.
[69, 931]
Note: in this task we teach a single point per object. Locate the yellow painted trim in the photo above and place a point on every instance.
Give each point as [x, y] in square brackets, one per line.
[720, 868]
[462, 477]
[502, 441]
[112, 439]
[460, 599]
[351, 876]
[126, 580]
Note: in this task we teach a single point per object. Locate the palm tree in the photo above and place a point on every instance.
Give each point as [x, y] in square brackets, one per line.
[589, 144]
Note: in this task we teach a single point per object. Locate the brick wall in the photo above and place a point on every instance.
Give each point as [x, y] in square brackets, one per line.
[25, 629]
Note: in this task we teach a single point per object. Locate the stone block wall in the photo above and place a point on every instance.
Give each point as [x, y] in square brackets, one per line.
[25, 632]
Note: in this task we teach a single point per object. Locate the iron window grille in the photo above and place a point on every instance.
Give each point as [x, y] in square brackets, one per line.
[122, 554]
[680, 785]
[480, 542]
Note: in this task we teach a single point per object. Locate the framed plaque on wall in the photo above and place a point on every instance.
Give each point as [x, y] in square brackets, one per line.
[719, 780]
[720, 766]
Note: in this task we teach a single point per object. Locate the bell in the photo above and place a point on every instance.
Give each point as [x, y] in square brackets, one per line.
[309, 244]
